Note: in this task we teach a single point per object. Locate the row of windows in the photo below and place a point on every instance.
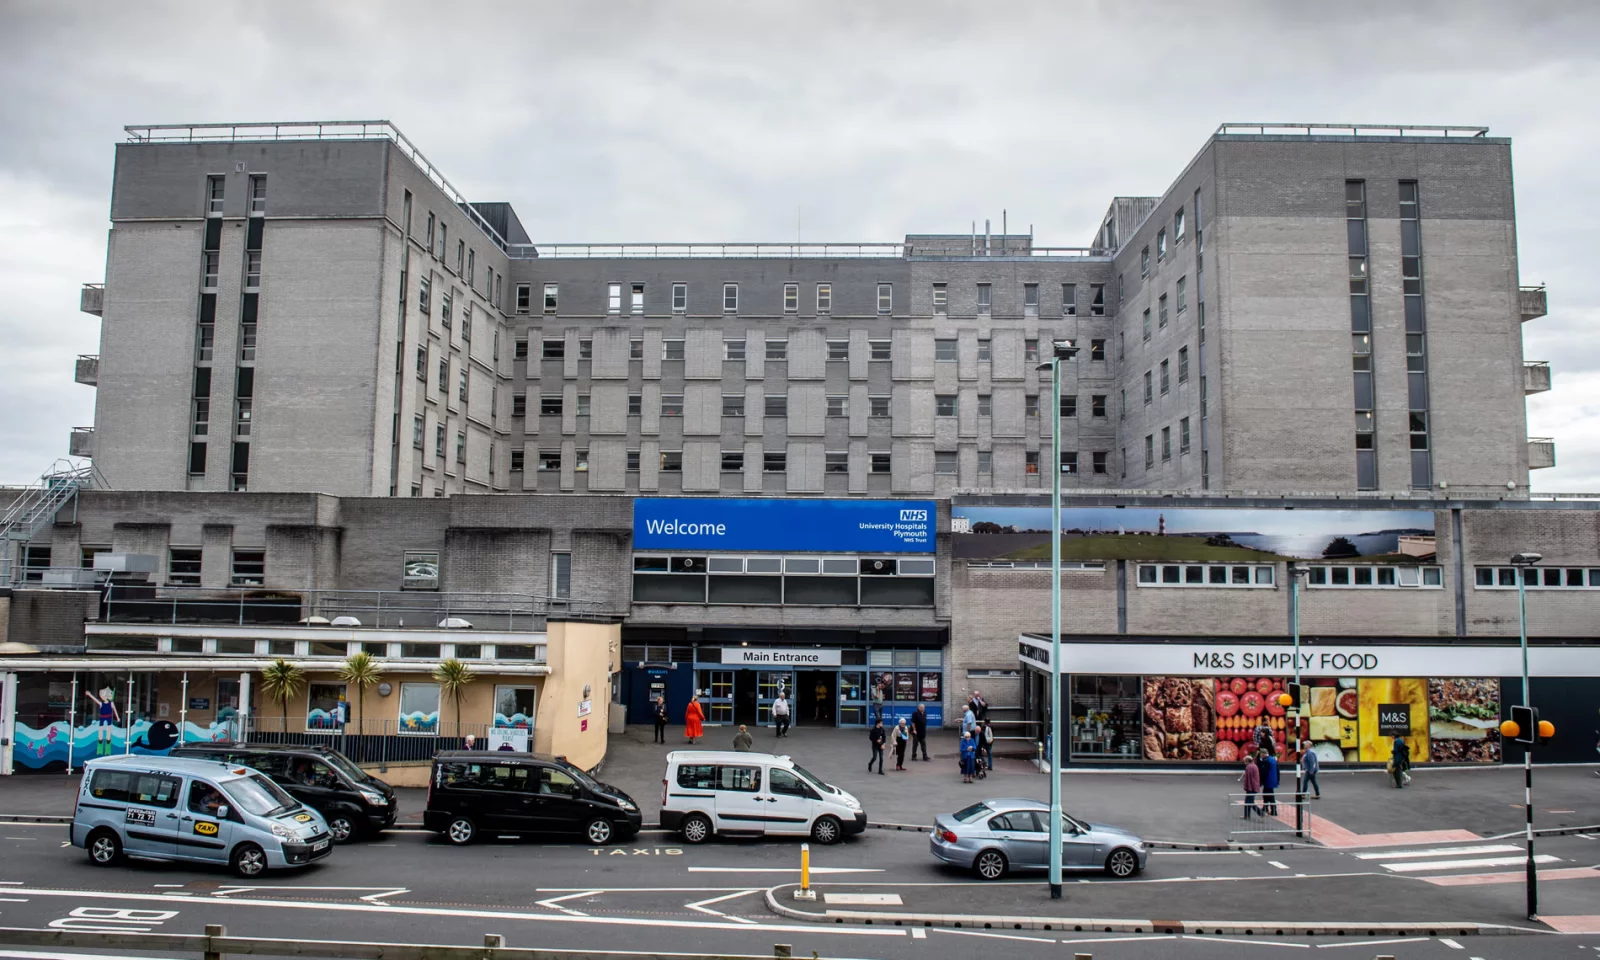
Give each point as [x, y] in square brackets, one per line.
[436, 239]
[1321, 576]
[242, 646]
[1166, 445]
[946, 463]
[1205, 575]
[1539, 578]
[629, 298]
[1374, 575]
[794, 566]
[777, 348]
[1161, 240]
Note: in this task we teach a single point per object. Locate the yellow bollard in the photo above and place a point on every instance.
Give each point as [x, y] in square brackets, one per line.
[805, 892]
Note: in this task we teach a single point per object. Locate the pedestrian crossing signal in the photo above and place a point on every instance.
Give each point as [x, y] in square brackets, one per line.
[1525, 726]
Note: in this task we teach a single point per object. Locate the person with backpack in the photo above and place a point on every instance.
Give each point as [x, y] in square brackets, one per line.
[969, 758]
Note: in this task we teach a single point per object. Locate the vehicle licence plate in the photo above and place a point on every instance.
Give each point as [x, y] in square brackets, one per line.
[319, 845]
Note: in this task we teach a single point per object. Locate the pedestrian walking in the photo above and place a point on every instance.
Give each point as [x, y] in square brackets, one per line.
[1310, 766]
[1400, 763]
[742, 741]
[986, 743]
[693, 716]
[876, 737]
[969, 757]
[661, 719]
[780, 714]
[821, 693]
[901, 737]
[919, 731]
[1269, 783]
[1251, 780]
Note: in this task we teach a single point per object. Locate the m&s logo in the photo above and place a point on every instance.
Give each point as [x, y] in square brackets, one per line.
[917, 516]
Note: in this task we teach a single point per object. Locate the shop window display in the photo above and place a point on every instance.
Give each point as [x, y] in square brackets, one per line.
[1105, 717]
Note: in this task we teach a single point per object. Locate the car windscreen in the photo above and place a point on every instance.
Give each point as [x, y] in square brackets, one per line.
[258, 795]
[816, 781]
[578, 774]
[344, 765]
[975, 812]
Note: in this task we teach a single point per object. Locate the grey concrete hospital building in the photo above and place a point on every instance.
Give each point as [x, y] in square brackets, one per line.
[331, 385]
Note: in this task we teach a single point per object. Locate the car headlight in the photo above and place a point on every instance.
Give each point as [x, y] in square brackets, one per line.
[376, 799]
[281, 831]
[626, 804]
[852, 803]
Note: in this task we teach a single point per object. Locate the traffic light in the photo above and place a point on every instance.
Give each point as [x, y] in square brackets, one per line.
[1526, 727]
[1292, 696]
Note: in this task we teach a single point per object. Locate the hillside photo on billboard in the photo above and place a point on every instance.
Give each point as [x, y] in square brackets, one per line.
[1195, 534]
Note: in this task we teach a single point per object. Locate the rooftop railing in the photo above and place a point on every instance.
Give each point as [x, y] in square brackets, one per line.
[311, 130]
[1350, 130]
[766, 251]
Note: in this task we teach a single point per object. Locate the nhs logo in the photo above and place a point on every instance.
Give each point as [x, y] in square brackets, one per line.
[914, 516]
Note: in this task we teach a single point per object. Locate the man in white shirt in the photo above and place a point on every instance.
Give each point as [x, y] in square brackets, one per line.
[780, 714]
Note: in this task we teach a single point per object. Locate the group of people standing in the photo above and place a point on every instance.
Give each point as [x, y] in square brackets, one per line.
[913, 735]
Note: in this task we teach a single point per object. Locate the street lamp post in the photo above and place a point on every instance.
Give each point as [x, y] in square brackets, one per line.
[1060, 350]
[1523, 563]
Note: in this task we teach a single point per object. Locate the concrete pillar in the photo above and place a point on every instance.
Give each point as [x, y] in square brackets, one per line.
[8, 719]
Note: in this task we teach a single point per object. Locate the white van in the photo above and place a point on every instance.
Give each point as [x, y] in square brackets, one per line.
[712, 792]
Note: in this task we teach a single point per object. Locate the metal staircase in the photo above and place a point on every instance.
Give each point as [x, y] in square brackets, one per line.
[37, 506]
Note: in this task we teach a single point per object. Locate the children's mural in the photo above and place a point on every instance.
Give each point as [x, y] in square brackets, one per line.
[57, 743]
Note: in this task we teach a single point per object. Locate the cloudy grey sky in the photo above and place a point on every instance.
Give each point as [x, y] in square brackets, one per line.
[716, 121]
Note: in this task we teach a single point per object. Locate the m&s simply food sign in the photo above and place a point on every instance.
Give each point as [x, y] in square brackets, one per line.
[835, 526]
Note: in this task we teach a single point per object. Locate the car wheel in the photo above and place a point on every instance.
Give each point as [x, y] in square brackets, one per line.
[696, 828]
[827, 830]
[249, 861]
[461, 831]
[990, 865]
[598, 831]
[342, 828]
[1122, 863]
[104, 848]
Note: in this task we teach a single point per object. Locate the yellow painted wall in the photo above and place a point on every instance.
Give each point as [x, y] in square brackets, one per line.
[579, 655]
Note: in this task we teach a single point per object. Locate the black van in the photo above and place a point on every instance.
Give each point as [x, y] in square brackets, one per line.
[354, 803]
[472, 792]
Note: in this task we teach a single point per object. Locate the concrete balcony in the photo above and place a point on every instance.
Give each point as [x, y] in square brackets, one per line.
[87, 370]
[1535, 376]
[81, 443]
[93, 298]
[1531, 300]
[1541, 453]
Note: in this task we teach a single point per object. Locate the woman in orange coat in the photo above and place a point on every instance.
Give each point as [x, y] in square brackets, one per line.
[692, 716]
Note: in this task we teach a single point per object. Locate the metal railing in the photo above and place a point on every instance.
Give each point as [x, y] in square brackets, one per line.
[1255, 817]
[369, 609]
[87, 369]
[373, 740]
[714, 250]
[39, 504]
[312, 130]
[92, 299]
[1352, 129]
[1532, 302]
[215, 944]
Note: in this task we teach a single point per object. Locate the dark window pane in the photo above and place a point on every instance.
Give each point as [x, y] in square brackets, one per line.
[1418, 385]
[1364, 391]
[1421, 470]
[1366, 469]
[1414, 321]
[1360, 318]
[1410, 239]
[1357, 236]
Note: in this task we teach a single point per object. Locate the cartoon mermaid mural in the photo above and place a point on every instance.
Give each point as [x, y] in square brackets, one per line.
[108, 716]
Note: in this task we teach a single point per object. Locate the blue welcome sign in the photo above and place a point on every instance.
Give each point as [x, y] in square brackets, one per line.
[817, 526]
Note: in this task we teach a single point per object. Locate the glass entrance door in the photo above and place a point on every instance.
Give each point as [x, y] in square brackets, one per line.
[770, 684]
[716, 694]
[853, 698]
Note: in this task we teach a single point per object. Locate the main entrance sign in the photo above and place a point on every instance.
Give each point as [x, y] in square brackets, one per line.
[813, 526]
[751, 656]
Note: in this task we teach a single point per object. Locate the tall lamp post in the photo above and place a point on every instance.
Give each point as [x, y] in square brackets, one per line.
[1059, 350]
[1523, 562]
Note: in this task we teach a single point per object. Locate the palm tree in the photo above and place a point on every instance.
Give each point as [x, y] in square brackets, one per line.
[282, 682]
[361, 671]
[453, 676]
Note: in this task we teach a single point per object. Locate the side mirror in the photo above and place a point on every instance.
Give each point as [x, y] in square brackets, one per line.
[222, 812]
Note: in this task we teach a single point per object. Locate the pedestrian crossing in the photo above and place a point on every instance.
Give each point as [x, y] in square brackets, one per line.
[1468, 865]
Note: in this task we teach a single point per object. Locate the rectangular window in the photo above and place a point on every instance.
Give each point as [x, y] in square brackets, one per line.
[1069, 406]
[944, 351]
[516, 459]
[1202, 396]
[941, 298]
[552, 297]
[1030, 405]
[524, 297]
[1069, 461]
[1030, 462]
[1183, 435]
[428, 234]
[1099, 461]
[777, 349]
[1166, 379]
[985, 405]
[838, 406]
[519, 405]
[444, 241]
[519, 348]
[258, 194]
[838, 349]
[554, 349]
[549, 460]
[985, 462]
[461, 389]
[791, 297]
[216, 188]
[1030, 299]
[613, 298]
[1146, 329]
[730, 298]
[1162, 323]
[252, 270]
[550, 405]
[444, 309]
[249, 568]
[733, 405]
[824, 297]
[774, 461]
[1030, 351]
[984, 299]
[946, 463]
[636, 298]
[1097, 299]
[1149, 387]
[680, 298]
[877, 406]
[836, 461]
[636, 349]
[1161, 246]
[183, 566]
[879, 462]
[878, 349]
[561, 575]
[632, 461]
[733, 461]
[635, 404]
[1177, 226]
[1069, 299]
[583, 405]
[672, 349]
[461, 256]
[1144, 262]
[1166, 444]
[776, 405]
[418, 432]
[672, 404]
[444, 375]
[944, 405]
[438, 441]
[202, 416]
[1097, 405]
[733, 348]
[985, 351]
[424, 295]
[585, 348]
[1097, 349]
[1149, 450]
[885, 298]
[1183, 364]
[461, 448]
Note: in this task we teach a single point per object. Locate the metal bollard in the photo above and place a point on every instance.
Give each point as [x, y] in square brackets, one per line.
[214, 930]
[805, 892]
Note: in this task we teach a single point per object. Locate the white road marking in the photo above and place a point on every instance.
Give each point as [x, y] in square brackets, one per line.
[13, 899]
[994, 936]
[703, 906]
[1256, 943]
[1372, 943]
[1170, 936]
[551, 903]
[1280, 866]
[1438, 852]
[816, 870]
[1463, 864]
[1253, 853]
[1451, 943]
[634, 889]
[917, 933]
[864, 899]
[382, 892]
[1195, 853]
[158, 886]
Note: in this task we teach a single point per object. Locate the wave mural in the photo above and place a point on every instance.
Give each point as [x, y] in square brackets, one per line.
[518, 719]
[419, 722]
[37, 749]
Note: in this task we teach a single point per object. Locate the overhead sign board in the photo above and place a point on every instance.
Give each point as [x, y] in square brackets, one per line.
[773, 657]
[814, 526]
